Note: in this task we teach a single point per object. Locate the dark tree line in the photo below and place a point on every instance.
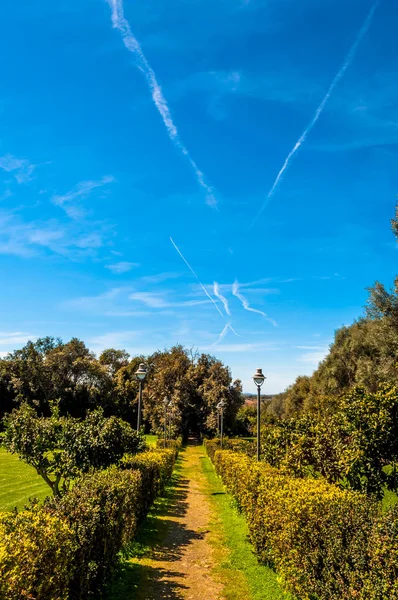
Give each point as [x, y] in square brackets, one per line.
[49, 370]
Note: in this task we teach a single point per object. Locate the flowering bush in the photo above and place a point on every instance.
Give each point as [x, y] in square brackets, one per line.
[37, 551]
[320, 539]
[66, 549]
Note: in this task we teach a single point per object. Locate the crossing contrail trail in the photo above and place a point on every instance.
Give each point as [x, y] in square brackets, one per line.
[120, 23]
[194, 274]
[246, 305]
[347, 62]
[216, 290]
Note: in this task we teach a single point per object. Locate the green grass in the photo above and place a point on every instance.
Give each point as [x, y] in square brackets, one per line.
[18, 482]
[241, 573]
[151, 440]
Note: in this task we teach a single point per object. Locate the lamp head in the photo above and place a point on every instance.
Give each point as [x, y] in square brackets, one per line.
[141, 372]
[259, 378]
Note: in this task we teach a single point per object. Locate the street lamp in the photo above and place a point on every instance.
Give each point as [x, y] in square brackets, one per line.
[258, 379]
[170, 416]
[140, 375]
[166, 402]
[220, 407]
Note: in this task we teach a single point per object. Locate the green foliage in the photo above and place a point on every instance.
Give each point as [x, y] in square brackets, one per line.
[364, 354]
[194, 385]
[37, 550]
[61, 448]
[315, 534]
[102, 510]
[381, 582]
[394, 223]
[66, 549]
[247, 447]
[48, 369]
[156, 467]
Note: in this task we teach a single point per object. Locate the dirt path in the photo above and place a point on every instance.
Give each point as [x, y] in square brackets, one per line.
[179, 567]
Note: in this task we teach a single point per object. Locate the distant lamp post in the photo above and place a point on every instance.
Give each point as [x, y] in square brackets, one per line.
[218, 419]
[170, 417]
[140, 375]
[258, 379]
[220, 407]
[166, 403]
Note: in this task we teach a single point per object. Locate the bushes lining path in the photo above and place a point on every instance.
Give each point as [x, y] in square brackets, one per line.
[193, 545]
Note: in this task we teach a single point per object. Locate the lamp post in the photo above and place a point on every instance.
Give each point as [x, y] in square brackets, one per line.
[221, 406]
[170, 415]
[140, 375]
[166, 402]
[258, 379]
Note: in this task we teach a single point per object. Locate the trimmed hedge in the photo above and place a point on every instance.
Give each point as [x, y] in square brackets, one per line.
[237, 445]
[66, 549]
[103, 511]
[326, 543]
[37, 550]
[155, 467]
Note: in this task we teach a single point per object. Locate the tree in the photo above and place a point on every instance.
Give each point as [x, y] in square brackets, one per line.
[62, 448]
[114, 360]
[48, 369]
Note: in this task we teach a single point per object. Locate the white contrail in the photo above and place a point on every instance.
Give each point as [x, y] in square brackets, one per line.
[120, 23]
[246, 305]
[347, 62]
[224, 333]
[194, 274]
[216, 291]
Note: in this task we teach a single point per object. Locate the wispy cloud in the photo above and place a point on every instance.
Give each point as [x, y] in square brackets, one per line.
[20, 168]
[249, 347]
[347, 62]
[160, 277]
[194, 274]
[120, 23]
[81, 191]
[122, 267]
[246, 305]
[95, 303]
[15, 338]
[115, 339]
[157, 300]
[313, 358]
[216, 290]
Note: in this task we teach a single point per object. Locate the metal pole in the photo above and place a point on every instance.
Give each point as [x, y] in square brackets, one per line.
[139, 407]
[165, 424]
[222, 426]
[258, 422]
[170, 425]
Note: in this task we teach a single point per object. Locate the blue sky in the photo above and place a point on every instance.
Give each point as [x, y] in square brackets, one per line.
[126, 124]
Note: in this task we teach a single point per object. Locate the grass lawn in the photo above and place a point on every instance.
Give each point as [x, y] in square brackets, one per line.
[18, 482]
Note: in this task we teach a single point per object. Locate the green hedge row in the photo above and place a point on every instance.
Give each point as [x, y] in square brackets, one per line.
[237, 445]
[326, 543]
[66, 549]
